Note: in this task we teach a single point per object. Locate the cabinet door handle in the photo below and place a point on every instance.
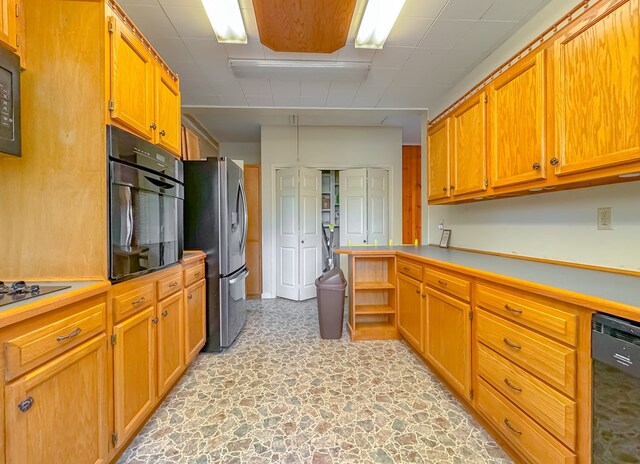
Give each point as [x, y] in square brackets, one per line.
[153, 126]
[554, 161]
[506, 422]
[511, 386]
[536, 166]
[442, 282]
[424, 295]
[190, 296]
[405, 268]
[444, 189]
[513, 310]
[25, 404]
[154, 320]
[511, 344]
[173, 284]
[165, 313]
[137, 302]
[69, 335]
[418, 292]
[197, 274]
[162, 133]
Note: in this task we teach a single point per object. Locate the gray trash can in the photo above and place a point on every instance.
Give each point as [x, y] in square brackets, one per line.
[330, 287]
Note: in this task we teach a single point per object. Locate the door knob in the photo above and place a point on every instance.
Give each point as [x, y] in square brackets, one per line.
[153, 126]
[553, 161]
[162, 133]
[536, 166]
[302, 241]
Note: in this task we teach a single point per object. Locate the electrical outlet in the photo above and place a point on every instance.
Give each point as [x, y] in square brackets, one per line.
[605, 218]
[441, 225]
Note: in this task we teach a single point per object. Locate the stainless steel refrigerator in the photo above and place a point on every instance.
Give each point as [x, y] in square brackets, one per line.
[215, 221]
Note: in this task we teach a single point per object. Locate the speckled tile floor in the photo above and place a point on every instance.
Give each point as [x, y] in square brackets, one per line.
[282, 394]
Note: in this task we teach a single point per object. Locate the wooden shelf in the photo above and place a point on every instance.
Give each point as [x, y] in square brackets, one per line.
[374, 309]
[374, 285]
[378, 330]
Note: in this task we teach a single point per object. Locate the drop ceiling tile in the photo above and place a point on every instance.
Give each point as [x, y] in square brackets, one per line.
[287, 102]
[216, 71]
[252, 50]
[151, 20]
[259, 100]
[288, 88]
[206, 49]
[486, 36]
[423, 8]
[188, 70]
[199, 100]
[180, 2]
[125, 3]
[341, 94]
[313, 101]
[350, 53]
[232, 100]
[380, 76]
[391, 57]
[445, 34]
[192, 86]
[171, 49]
[408, 31]
[255, 87]
[190, 21]
[227, 88]
[310, 89]
[466, 9]
[512, 10]
[368, 96]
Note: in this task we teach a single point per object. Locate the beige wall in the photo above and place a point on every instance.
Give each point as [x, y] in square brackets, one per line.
[326, 148]
[247, 152]
[554, 225]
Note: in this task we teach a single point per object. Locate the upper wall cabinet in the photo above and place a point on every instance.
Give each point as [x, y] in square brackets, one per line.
[8, 24]
[597, 90]
[144, 97]
[517, 123]
[469, 162]
[439, 154]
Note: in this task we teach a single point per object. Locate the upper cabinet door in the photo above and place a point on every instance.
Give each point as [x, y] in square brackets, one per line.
[597, 90]
[517, 123]
[469, 162]
[8, 22]
[167, 111]
[132, 77]
[438, 157]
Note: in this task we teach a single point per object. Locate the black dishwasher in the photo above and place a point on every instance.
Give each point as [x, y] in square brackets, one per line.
[615, 349]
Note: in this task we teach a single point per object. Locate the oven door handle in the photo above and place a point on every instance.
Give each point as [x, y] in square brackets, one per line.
[242, 276]
[160, 183]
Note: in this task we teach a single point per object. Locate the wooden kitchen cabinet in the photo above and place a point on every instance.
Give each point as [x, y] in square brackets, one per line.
[195, 333]
[191, 149]
[596, 75]
[517, 119]
[58, 412]
[170, 341]
[438, 161]
[134, 373]
[469, 147]
[448, 339]
[167, 111]
[8, 24]
[411, 311]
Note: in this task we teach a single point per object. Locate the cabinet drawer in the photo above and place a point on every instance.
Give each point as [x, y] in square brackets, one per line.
[551, 409]
[535, 312]
[448, 283]
[409, 268]
[169, 285]
[37, 346]
[531, 440]
[132, 301]
[549, 360]
[193, 274]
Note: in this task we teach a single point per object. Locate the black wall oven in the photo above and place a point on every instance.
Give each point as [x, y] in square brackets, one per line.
[146, 196]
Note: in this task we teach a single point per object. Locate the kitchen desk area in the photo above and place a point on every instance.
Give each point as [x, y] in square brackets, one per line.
[510, 337]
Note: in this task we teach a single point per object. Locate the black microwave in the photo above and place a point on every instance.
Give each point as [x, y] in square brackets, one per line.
[9, 103]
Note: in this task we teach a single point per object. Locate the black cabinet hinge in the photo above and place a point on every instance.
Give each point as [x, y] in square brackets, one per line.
[470, 315]
[114, 339]
[471, 393]
[114, 438]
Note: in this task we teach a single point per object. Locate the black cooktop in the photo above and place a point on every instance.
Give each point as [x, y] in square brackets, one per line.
[20, 290]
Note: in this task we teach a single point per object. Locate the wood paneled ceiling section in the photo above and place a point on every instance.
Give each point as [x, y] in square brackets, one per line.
[317, 26]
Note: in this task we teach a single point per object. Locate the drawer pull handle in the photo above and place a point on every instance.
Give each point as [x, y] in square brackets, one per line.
[137, 302]
[511, 386]
[165, 313]
[406, 268]
[25, 404]
[511, 344]
[442, 282]
[513, 429]
[154, 320]
[424, 295]
[418, 292]
[190, 296]
[69, 335]
[173, 284]
[513, 310]
[197, 274]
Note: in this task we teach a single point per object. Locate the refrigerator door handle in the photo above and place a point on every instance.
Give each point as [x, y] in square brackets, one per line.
[242, 276]
[246, 217]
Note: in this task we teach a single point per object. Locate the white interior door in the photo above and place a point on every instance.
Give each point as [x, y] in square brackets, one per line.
[353, 207]
[310, 231]
[378, 206]
[287, 255]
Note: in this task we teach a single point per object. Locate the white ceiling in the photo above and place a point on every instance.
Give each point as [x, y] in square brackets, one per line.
[432, 46]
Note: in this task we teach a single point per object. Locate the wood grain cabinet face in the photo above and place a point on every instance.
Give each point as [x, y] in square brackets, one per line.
[8, 24]
[596, 76]
[517, 110]
[194, 319]
[411, 311]
[65, 409]
[448, 339]
[469, 153]
[170, 341]
[132, 78]
[167, 111]
[438, 159]
[134, 373]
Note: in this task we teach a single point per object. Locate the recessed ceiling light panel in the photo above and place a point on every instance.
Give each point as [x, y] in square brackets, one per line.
[292, 69]
[377, 21]
[226, 20]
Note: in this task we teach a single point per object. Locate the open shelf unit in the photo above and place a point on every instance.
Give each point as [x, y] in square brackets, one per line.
[331, 207]
[372, 298]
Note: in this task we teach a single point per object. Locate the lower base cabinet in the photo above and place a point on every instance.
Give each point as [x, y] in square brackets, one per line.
[170, 342]
[195, 333]
[57, 412]
[411, 311]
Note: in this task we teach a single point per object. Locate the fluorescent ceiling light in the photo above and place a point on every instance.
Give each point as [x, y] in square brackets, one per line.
[377, 21]
[290, 69]
[226, 20]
